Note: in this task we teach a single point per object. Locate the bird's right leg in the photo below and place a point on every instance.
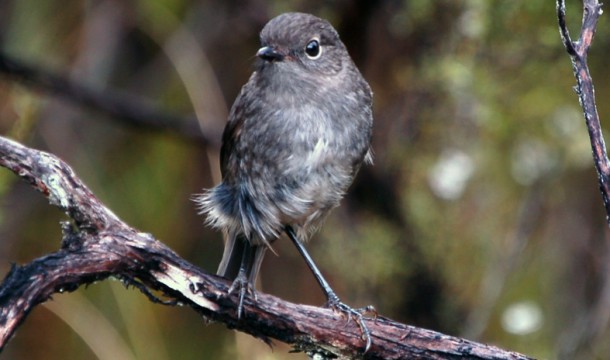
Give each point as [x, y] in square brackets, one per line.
[251, 260]
[242, 280]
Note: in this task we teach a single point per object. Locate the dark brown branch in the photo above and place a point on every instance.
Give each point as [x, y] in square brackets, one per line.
[563, 28]
[126, 108]
[578, 51]
[97, 244]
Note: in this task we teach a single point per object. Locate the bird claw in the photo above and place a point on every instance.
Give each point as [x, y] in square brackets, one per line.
[244, 287]
[369, 310]
[357, 314]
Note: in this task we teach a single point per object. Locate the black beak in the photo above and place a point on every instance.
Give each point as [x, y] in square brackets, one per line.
[269, 53]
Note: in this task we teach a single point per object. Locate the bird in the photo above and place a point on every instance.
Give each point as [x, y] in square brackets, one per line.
[296, 136]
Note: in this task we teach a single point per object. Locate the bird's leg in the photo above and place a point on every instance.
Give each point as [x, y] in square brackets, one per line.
[332, 300]
[241, 281]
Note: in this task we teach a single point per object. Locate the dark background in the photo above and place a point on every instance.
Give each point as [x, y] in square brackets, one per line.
[481, 217]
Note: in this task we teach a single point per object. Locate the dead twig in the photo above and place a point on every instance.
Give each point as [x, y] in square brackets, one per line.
[578, 50]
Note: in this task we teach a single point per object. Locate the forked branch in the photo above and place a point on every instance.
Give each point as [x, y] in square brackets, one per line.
[578, 51]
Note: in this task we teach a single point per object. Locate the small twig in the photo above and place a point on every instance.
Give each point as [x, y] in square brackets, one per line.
[578, 51]
[563, 28]
[147, 292]
[101, 245]
[122, 107]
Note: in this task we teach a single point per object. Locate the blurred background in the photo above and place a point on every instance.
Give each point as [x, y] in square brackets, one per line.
[481, 217]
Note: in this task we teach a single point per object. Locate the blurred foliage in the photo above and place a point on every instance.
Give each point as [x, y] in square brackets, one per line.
[481, 217]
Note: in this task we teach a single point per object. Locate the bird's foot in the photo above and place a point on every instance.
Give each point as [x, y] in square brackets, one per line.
[243, 286]
[358, 315]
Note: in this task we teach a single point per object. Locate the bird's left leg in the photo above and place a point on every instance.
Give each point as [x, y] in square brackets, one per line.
[332, 300]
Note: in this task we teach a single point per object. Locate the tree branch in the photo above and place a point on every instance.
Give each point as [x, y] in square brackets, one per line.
[578, 51]
[129, 109]
[97, 245]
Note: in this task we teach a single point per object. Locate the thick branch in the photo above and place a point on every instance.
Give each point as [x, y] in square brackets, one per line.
[129, 109]
[100, 245]
[578, 51]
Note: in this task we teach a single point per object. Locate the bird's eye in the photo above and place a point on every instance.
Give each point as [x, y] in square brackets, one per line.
[313, 49]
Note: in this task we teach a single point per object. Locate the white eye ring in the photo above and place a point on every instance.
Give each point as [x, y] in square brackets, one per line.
[313, 49]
